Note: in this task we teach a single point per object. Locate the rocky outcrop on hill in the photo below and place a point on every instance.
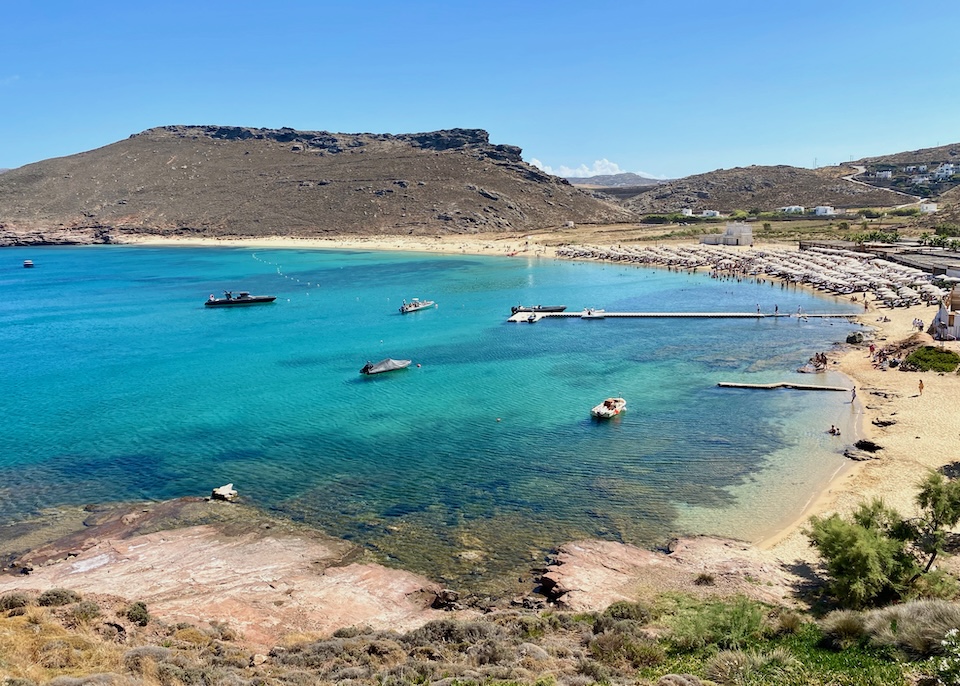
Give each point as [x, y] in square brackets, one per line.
[763, 188]
[231, 181]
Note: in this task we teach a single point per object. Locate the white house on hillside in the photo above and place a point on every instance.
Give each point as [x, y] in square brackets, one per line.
[793, 209]
[710, 213]
[928, 207]
[944, 171]
[823, 210]
[686, 212]
[886, 174]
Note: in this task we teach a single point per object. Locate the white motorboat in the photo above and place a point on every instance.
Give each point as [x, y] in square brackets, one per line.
[610, 407]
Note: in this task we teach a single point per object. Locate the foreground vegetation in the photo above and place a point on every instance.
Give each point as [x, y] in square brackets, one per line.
[676, 640]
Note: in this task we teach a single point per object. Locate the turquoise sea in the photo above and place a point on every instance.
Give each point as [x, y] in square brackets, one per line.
[119, 385]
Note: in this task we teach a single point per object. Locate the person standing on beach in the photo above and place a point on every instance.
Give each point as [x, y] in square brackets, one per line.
[920, 386]
[853, 395]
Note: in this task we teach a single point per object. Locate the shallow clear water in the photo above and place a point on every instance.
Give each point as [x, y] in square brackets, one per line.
[118, 384]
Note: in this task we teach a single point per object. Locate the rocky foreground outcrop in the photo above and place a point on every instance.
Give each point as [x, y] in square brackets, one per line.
[200, 562]
[264, 578]
[229, 181]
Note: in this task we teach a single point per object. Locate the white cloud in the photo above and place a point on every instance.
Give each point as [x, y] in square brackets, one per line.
[603, 166]
[9, 80]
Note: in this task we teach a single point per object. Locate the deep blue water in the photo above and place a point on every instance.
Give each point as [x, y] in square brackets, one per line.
[118, 384]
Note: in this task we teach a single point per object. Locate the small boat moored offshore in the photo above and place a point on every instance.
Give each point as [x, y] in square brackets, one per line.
[593, 314]
[28, 264]
[610, 407]
[230, 300]
[387, 365]
[415, 304]
[538, 308]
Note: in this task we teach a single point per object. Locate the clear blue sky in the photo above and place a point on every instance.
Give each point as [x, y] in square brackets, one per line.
[670, 88]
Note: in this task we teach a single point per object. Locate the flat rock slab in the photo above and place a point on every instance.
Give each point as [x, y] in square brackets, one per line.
[264, 586]
[589, 575]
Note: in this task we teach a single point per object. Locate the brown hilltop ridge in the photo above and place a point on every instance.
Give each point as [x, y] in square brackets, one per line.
[235, 181]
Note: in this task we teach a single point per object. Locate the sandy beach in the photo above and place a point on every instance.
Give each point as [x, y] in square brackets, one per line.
[916, 432]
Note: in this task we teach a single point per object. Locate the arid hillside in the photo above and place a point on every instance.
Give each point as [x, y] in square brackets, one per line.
[928, 156]
[764, 188]
[234, 181]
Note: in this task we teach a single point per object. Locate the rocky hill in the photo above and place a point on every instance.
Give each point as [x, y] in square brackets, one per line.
[613, 180]
[928, 156]
[762, 187]
[236, 181]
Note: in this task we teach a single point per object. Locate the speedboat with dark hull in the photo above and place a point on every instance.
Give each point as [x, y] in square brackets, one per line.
[244, 298]
[415, 304]
[387, 365]
[538, 308]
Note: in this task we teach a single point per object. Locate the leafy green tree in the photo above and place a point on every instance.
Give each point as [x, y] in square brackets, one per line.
[939, 501]
[877, 555]
[866, 562]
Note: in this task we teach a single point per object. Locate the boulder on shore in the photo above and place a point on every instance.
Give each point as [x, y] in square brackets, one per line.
[224, 493]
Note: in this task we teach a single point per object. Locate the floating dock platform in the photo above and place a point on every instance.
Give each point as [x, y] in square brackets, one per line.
[782, 384]
[532, 317]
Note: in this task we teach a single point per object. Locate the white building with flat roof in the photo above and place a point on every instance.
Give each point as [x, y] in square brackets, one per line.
[823, 210]
[736, 233]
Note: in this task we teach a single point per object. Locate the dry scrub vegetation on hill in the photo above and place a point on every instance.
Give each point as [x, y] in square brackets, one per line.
[234, 181]
[61, 639]
[764, 188]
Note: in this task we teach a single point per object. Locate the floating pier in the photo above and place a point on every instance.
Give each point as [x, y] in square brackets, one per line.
[782, 384]
[532, 317]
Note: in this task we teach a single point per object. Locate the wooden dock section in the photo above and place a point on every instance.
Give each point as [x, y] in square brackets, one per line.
[782, 384]
[532, 317]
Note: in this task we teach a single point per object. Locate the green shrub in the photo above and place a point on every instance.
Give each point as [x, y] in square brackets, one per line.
[624, 609]
[619, 649]
[137, 613]
[948, 667]
[85, 611]
[56, 597]
[12, 601]
[728, 624]
[867, 558]
[931, 359]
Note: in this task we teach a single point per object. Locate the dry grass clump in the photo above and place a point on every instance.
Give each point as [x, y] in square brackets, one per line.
[35, 647]
[916, 627]
[737, 666]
